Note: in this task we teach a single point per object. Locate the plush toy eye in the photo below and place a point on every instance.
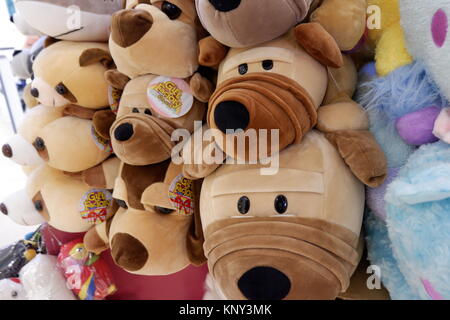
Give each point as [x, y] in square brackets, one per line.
[61, 89]
[164, 210]
[148, 112]
[267, 64]
[281, 204]
[14, 294]
[39, 144]
[135, 110]
[171, 10]
[243, 68]
[243, 205]
[121, 203]
[38, 205]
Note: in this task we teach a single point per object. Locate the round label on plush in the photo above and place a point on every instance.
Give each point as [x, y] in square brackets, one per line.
[181, 194]
[102, 143]
[94, 205]
[114, 96]
[170, 97]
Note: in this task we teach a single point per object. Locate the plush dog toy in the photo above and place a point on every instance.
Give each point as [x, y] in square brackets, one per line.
[244, 23]
[71, 203]
[157, 231]
[75, 20]
[289, 77]
[292, 235]
[140, 36]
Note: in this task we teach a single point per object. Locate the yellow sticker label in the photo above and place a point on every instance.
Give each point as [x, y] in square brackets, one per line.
[95, 204]
[181, 194]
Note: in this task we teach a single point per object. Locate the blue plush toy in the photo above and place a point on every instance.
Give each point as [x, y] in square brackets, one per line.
[402, 108]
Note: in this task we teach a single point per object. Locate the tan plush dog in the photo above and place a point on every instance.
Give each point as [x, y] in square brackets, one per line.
[157, 37]
[290, 84]
[243, 23]
[68, 203]
[157, 231]
[151, 108]
[293, 235]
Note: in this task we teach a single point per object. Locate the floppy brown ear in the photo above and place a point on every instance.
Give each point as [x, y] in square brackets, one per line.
[116, 79]
[95, 55]
[201, 87]
[195, 239]
[212, 52]
[319, 44]
[49, 41]
[73, 110]
[102, 122]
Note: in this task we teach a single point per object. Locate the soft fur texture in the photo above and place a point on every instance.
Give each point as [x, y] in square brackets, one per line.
[244, 23]
[151, 234]
[390, 100]
[144, 40]
[418, 223]
[293, 90]
[52, 17]
[63, 200]
[324, 214]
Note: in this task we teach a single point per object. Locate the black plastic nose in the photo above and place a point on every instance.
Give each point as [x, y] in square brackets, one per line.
[3, 209]
[124, 132]
[34, 92]
[7, 151]
[225, 5]
[264, 283]
[11, 18]
[231, 115]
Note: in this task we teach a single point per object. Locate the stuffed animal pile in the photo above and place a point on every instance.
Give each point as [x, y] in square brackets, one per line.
[184, 132]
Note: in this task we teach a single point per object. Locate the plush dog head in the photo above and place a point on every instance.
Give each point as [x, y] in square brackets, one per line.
[426, 32]
[242, 23]
[65, 202]
[157, 232]
[75, 20]
[150, 109]
[158, 37]
[72, 73]
[276, 85]
[293, 235]
[19, 148]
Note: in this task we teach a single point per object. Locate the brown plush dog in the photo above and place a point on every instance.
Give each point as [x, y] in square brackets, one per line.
[157, 37]
[290, 84]
[243, 23]
[293, 235]
[157, 231]
[151, 108]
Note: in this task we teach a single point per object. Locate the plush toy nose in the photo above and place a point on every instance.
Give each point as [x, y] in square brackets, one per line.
[7, 151]
[124, 132]
[128, 252]
[231, 115]
[3, 209]
[129, 26]
[34, 92]
[225, 5]
[264, 283]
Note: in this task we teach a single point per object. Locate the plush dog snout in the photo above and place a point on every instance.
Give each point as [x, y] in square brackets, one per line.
[231, 115]
[225, 5]
[129, 26]
[264, 283]
[7, 151]
[3, 209]
[124, 132]
[128, 252]
[34, 92]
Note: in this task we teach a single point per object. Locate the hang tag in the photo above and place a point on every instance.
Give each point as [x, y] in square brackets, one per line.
[114, 96]
[94, 205]
[102, 143]
[170, 97]
[181, 194]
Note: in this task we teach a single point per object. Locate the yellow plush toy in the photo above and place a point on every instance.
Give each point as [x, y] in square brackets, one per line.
[388, 40]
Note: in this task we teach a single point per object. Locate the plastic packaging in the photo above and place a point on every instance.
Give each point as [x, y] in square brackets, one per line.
[87, 274]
